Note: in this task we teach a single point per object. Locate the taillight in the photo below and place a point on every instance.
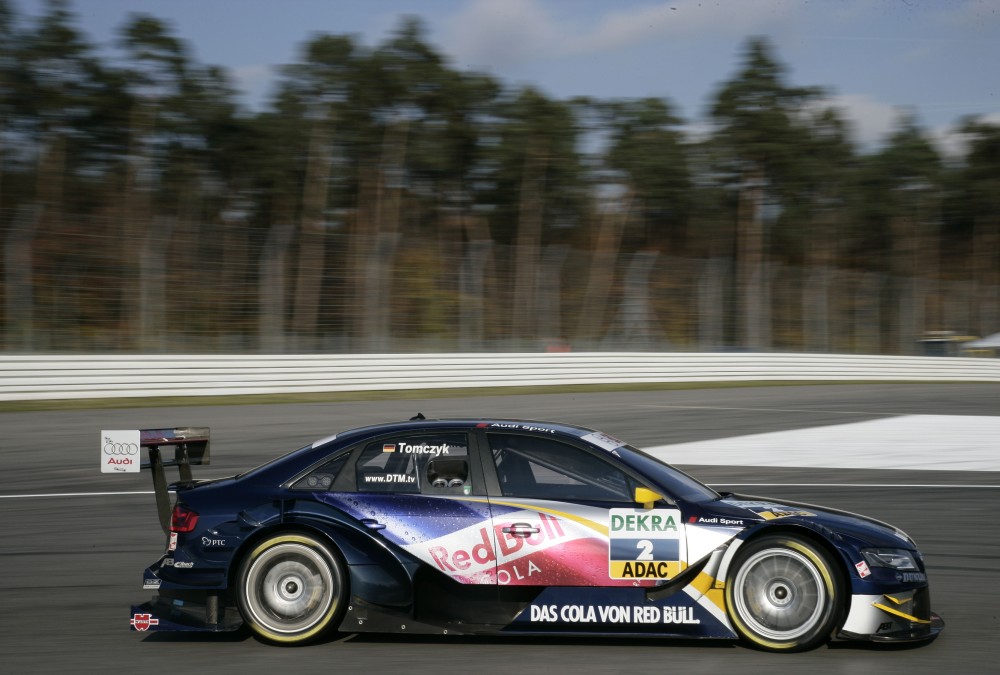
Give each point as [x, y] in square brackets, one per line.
[183, 519]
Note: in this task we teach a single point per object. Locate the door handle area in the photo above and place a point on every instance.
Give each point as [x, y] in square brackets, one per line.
[521, 529]
[372, 524]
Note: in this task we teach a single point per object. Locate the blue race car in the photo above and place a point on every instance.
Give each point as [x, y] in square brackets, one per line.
[509, 527]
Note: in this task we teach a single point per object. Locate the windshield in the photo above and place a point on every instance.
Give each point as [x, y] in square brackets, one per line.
[676, 483]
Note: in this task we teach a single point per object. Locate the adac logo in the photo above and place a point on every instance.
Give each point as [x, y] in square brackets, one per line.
[142, 622]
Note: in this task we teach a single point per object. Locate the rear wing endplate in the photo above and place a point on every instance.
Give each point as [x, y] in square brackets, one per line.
[182, 447]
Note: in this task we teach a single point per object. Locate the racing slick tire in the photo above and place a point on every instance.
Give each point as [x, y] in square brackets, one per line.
[784, 594]
[291, 589]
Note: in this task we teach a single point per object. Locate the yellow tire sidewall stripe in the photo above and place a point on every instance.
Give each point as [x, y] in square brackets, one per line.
[322, 623]
[746, 632]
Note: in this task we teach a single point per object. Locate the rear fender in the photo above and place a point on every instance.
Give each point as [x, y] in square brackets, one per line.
[378, 574]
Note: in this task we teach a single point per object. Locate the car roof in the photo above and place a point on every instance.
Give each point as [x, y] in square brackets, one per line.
[495, 424]
[292, 462]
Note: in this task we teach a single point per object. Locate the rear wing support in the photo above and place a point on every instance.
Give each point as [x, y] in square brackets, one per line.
[121, 453]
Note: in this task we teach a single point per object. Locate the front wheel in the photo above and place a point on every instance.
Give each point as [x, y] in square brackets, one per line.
[291, 588]
[783, 594]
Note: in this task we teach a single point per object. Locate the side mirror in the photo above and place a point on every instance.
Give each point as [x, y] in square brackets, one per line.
[646, 497]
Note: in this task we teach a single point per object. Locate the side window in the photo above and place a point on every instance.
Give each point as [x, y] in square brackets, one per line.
[323, 477]
[545, 468]
[430, 463]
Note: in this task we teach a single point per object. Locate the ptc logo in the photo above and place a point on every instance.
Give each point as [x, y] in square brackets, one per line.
[142, 622]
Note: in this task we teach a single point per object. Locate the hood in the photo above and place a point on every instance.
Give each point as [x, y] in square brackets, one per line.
[870, 530]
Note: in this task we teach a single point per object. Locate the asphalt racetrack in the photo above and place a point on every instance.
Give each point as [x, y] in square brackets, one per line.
[75, 541]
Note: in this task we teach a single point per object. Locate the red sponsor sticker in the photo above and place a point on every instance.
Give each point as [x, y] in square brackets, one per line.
[142, 622]
[863, 570]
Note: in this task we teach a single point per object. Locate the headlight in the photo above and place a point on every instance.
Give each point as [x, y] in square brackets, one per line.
[893, 558]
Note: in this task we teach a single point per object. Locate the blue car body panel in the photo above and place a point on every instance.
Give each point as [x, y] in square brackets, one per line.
[452, 559]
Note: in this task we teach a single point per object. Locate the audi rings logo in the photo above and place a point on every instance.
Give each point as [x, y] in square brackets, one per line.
[120, 450]
[111, 448]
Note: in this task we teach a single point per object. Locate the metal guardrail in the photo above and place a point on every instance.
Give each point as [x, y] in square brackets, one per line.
[40, 377]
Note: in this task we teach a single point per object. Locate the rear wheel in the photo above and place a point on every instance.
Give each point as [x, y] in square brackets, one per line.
[291, 589]
[783, 594]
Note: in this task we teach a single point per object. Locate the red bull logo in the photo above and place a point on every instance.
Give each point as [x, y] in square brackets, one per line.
[512, 540]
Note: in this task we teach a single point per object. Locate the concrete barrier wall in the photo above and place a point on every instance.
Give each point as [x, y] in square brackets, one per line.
[36, 376]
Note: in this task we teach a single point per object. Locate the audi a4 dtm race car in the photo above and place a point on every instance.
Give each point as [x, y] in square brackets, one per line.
[507, 527]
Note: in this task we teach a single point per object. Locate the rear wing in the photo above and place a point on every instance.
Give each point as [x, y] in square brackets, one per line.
[121, 453]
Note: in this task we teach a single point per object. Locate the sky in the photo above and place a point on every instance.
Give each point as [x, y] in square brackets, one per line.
[937, 59]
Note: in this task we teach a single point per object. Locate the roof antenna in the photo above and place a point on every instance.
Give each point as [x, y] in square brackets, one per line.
[418, 416]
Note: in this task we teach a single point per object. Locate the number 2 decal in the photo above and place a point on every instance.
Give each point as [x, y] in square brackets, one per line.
[647, 549]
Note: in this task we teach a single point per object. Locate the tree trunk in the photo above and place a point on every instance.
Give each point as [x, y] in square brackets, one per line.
[472, 293]
[233, 297]
[377, 290]
[271, 293]
[816, 309]
[550, 297]
[752, 285]
[136, 218]
[18, 279]
[152, 285]
[527, 248]
[986, 263]
[312, 240]
[592, 321]
[634, 325]
[903, 264]
[712, 303]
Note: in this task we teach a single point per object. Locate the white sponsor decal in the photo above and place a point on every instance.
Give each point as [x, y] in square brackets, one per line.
[422, 449]
[612, 614]
[768, 510]
[522, 427]
[391, 478]
[151, 584]
[863, 570]
[324, 440]
[172, 545]
[603, 441]
[644, 543]
[142, 622]
[721, 520]
[747, 504]
[120, 451]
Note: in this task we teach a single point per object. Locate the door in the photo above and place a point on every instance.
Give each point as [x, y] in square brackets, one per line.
[565, 516]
